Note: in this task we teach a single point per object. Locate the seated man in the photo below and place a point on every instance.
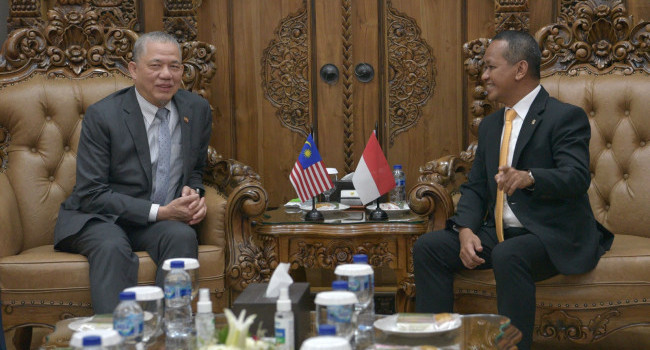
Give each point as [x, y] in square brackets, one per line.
[531, 175]
[140, 162]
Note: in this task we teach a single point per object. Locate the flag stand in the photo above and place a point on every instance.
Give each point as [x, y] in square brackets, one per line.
[313, 214]
[378, 214]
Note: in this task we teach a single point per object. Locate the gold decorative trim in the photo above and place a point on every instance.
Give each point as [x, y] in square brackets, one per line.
[179, 19]
[600, 39]
[348, 79]
[411, 72]
[511, 15]
[285, 72]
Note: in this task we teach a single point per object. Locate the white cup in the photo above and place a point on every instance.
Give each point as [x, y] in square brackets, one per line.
[337, 308]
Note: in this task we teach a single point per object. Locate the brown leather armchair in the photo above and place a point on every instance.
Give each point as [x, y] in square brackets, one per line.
[599, 61]
[49, 75]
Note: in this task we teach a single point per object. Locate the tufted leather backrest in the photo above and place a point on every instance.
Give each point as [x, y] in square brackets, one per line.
[40, 118]
[618, 107]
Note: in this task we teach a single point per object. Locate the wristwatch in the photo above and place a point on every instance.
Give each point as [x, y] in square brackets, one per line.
[201, 191]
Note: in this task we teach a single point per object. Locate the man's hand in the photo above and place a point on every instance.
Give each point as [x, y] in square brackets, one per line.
[189, 208]
[198, 205]
[509, 179]
[470, 244]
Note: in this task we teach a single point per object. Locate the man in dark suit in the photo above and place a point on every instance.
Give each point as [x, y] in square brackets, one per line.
[140, 161]
[549, 224]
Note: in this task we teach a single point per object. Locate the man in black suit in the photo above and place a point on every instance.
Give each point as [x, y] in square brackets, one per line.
[549, 224]
[140, 161]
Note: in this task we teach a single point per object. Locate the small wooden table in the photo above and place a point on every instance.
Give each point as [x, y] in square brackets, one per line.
[324, 245]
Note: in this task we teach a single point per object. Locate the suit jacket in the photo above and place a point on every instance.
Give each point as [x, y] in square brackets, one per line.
[114, 175]
[554, 145]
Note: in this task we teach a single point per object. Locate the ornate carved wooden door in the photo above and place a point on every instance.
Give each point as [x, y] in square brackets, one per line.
[344, 66]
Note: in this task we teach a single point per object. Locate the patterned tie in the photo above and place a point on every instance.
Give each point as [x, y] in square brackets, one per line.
[503, 159]
[164, 154]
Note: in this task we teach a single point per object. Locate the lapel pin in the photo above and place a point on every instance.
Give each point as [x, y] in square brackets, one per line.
[187, 120]
[533, 121]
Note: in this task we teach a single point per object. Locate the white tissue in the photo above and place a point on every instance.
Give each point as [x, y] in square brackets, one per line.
[279, 279]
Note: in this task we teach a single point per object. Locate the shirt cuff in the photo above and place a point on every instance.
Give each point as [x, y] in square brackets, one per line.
[153, 212]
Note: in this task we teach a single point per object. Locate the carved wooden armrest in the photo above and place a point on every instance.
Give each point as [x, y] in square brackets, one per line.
[246, 199]
[438, 186]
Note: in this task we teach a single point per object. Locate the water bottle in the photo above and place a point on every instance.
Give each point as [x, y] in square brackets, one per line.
[361, 280]
[178, 310]
[327, 329]
[204, 320]
[398, 194]
[284, 328]
[340, 285]
[128, 319]
[92, 342]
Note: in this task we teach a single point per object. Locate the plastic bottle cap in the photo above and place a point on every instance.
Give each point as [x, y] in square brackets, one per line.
[327, 329]
[91, 340]
[204, 305]
[146, 293]
[353, 270]
[284, 303]
[190, 263]
[127, 295]
[325, 343]
[340, 285]
[397, 166]
[360, 258]
[336, 298]
[109, 337]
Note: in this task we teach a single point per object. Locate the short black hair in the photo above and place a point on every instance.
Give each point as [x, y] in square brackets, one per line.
[521, 47]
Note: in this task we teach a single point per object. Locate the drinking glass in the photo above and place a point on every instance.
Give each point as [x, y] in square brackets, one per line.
[329, 192]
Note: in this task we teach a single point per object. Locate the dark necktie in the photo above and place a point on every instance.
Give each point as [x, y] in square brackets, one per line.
[164, 155]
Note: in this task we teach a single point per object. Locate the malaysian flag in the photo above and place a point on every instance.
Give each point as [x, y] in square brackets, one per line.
[309, 176]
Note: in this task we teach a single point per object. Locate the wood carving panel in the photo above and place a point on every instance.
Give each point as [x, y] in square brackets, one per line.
[560, 325]
[511, 15]
[74, 41]
[117, 13]
[348, 110]
[24, 14]
[255, 264]
[285, 72]
[180, 19]
[411, 72]
[328, 255]
[599, 39]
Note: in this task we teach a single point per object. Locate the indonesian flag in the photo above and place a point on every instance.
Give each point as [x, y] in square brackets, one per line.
[308, 175]
[373, 176]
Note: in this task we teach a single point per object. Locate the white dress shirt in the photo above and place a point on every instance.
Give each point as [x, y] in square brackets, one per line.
[152, 125]
[521, 107]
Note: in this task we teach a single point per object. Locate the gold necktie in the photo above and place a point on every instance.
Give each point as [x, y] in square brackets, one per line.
[503, 159]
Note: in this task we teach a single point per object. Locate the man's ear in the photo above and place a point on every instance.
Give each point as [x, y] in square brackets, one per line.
[522, 69]
[132, 69]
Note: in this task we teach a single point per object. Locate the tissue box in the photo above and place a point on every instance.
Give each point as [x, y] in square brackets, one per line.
[254, 301]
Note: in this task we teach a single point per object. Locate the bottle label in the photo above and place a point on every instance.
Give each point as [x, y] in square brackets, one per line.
[130, 325]
[284, 332]
[339, 313]
[358, 284]
[178, 291]
[280, 336]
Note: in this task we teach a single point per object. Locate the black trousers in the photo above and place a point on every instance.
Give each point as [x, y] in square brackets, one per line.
[518, 262]
[113, 263]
